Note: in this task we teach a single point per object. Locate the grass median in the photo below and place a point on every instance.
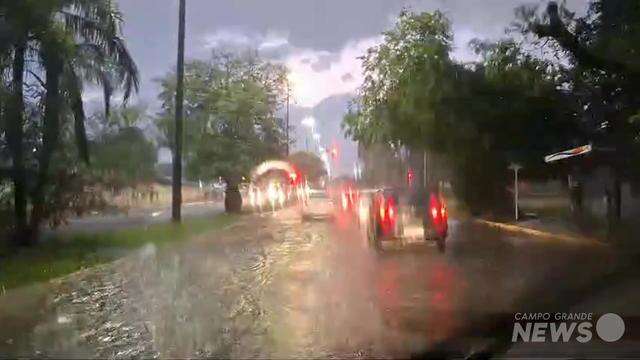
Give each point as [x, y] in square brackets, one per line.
[62, 255]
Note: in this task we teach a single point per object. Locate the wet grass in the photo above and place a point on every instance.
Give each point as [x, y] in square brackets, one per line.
[62, 255]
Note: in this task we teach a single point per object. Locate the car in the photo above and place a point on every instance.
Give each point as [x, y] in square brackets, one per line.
[385, 222]
[349, 199]
[318, 205]
[434, 215]
[391, 211]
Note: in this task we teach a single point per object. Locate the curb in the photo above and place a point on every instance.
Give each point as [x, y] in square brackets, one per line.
[542, 234]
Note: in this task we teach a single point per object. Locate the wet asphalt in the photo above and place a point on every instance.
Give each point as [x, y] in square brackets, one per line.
[290, 285]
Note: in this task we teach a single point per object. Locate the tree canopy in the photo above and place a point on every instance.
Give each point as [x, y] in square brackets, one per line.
[508, 107]
[48, 50]
[121, 153]
[231, 114]
[603, 50]
[309, 164]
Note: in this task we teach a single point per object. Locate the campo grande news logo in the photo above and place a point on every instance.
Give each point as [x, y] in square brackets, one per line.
[564, 327]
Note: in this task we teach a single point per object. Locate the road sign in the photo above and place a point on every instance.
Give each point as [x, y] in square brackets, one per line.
[568, 153]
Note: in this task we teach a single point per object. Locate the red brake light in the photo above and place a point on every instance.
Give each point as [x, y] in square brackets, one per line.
[434, 212]
[391, 211]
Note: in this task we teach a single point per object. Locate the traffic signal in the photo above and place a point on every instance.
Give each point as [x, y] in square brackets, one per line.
[334, 153]
[410, 176]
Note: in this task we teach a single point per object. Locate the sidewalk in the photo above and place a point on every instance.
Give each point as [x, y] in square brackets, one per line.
[546, 229]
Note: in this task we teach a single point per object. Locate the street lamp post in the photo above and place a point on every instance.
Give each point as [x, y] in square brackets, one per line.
[310, 123]
[515, 167]
[287, 118]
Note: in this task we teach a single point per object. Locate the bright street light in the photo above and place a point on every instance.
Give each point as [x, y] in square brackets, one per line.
[327, 164]
[309, 122]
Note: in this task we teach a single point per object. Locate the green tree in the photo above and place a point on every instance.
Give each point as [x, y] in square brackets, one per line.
[603, 48]
[58, 44]
[508, 107]
[405, 77]
[121, 154]
[124, 158]
[231, 122]
[119, 117]
[309, 164]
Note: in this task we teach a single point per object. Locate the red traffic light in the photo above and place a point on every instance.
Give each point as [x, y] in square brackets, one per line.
[334, 152]
[410, 176]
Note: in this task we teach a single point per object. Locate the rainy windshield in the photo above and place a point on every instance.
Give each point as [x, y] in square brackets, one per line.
[319, 179]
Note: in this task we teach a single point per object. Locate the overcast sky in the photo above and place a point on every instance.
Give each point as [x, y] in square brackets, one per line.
[319, 40]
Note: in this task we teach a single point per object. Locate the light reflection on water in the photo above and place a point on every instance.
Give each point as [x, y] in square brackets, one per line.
[279, 286]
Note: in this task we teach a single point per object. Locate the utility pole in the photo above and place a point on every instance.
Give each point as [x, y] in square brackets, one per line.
[176, 203]
[287, 119]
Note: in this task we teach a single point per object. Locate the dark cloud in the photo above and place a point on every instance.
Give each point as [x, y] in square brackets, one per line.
[275, 53]
[323, 62]
[323, 26]
[151, 25]
[346, 77]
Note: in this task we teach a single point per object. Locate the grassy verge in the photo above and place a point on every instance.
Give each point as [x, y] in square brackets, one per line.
[60, 256]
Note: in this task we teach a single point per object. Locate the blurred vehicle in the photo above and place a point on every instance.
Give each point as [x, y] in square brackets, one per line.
[302, 194]
[384, 220]
[393, 210]
[349, 196]
[319, 205]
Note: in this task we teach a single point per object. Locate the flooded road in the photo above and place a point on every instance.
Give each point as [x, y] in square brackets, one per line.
[286, 286]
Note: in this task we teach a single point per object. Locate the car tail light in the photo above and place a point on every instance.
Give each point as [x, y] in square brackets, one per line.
[443, 212]
[390, 209]
[434, 212]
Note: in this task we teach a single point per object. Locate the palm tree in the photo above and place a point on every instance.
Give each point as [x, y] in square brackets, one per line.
[13, 47]
[67, 42]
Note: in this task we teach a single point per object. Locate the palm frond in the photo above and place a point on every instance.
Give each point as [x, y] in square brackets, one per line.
[98, 23]
[107, 90]
[127, 68]
[74, 89]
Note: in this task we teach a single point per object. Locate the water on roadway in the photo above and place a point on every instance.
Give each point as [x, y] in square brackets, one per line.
[283, 285]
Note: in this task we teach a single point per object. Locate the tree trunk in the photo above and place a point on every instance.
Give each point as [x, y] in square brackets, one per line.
[232, 198]
[617, 198]
[53, 67]
[14, 131]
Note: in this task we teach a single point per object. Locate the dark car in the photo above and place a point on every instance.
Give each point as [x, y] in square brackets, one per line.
[392, 209]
